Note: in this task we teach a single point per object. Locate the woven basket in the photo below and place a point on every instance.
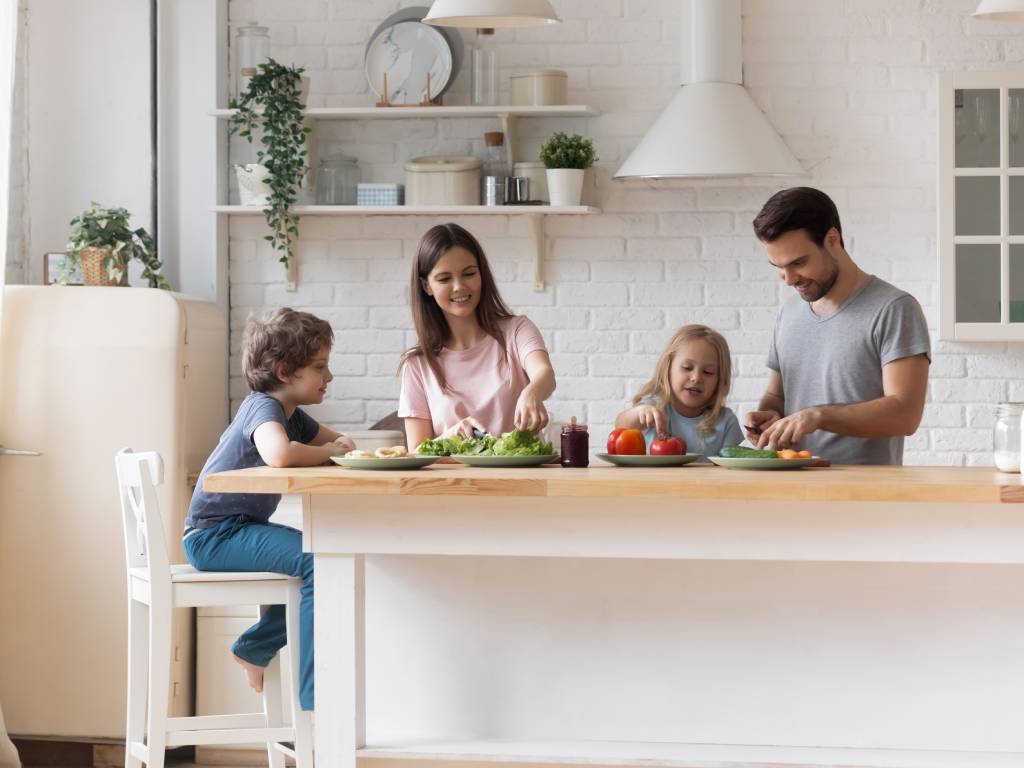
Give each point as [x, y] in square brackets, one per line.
[93, 270]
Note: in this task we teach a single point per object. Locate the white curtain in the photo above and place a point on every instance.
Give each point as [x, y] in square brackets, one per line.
[8, 45]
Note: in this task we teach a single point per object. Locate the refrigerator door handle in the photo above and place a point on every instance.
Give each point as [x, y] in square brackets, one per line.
[12, 452]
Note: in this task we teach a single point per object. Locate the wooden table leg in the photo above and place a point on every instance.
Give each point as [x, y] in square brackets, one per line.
[340, 670]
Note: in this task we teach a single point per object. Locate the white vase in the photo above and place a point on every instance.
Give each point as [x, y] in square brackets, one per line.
[565, 185]
[252, 186]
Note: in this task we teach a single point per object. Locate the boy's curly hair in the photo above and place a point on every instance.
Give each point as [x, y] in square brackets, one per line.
[281, 337]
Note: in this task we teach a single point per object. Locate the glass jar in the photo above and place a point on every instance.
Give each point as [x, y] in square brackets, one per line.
[575, 445]
[253, 48]
[1006, 439]
[484, 70]
[337, 180]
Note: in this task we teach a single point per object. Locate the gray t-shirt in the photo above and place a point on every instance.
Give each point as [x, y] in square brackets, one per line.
[838, 359]
[236, 450]
[727, 430]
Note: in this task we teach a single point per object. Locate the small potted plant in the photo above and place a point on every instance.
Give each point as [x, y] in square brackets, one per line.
[101, 245]
[272, 104]
[566, 159]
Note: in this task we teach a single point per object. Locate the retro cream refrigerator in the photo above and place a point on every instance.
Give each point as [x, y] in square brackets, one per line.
[83, 373]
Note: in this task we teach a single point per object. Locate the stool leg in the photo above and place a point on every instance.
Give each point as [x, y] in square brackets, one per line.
[159, 684]
[138, 678]
[272, 708]
[301, 720]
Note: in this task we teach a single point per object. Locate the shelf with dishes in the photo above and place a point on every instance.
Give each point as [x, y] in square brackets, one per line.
[422, 113]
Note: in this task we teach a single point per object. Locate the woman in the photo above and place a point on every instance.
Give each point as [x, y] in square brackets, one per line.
[476, 366]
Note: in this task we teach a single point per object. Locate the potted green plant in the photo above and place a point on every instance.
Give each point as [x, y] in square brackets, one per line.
[272, 104]
[566, 159]
[102, 243]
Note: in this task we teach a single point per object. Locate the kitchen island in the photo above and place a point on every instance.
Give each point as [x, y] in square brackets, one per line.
[693, 616]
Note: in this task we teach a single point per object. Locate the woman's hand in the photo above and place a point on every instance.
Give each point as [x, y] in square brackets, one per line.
[650, 417]
[531, 414]
[464, 428]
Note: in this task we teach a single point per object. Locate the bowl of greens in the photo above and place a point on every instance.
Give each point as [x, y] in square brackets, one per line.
[517, 448]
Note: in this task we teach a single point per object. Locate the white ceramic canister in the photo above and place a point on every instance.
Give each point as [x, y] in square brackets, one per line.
[542, 87]
[535, 171]
[442, 180]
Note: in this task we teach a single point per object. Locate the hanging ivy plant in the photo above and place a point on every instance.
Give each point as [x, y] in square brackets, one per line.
[272, 105]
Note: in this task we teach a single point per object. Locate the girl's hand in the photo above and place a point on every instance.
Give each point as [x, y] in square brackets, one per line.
[464, 428]
[531, 414]
[652, 418]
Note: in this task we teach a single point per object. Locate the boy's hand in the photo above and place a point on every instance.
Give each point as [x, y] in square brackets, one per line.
[339, 447]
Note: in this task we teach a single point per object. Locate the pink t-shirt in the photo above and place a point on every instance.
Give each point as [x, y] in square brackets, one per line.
[481, 383]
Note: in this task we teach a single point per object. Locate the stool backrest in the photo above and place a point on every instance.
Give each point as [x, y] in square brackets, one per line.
[138, 474]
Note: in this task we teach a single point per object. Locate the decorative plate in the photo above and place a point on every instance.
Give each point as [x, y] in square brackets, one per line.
[505, 461]
[623, 460]
[406, 49]
[763, 463]
[401, 462]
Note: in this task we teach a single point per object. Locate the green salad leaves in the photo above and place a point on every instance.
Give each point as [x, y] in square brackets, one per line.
[518, 442]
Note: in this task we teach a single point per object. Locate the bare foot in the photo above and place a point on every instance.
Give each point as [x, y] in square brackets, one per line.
[253, 673]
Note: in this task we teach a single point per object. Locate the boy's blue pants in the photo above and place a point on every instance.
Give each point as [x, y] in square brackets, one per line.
[240, 544]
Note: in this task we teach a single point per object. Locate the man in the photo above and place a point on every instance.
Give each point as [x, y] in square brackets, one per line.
[850, 353]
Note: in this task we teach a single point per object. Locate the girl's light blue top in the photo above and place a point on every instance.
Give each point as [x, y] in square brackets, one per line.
[727, 431]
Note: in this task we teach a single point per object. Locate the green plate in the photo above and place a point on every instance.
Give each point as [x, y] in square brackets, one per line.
[762, 463]
[505, 461]
[649, 461]
[403, 462]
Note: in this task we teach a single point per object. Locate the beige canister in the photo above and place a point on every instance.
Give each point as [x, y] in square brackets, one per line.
[442, 180]
[542, 87]
[535, 171]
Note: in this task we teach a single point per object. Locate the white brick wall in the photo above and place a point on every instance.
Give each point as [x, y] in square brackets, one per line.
[849, 83]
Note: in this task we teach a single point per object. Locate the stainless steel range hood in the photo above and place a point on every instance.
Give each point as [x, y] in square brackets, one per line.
[712, 127]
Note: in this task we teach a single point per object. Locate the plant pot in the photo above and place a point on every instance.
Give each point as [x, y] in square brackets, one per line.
[94, 271]
[565, 186]
[253, 188]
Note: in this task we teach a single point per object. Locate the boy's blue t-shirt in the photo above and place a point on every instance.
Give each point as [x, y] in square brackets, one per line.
[236, 450]
[727, 431]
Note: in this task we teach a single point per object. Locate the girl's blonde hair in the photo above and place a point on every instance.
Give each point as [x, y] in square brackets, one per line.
[660, 387]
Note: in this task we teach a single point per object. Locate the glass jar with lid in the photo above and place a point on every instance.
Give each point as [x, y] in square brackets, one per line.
[337, 180]
[1006, 437]
[252, 46]
[575, 445]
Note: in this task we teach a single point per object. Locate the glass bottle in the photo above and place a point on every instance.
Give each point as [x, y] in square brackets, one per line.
[253, 46]
[484, 70]
[495, 169]
[1006, 437]
[575, 445]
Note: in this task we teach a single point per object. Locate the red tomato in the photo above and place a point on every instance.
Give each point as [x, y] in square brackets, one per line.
[630, 442]
[668, 446]
[611, 440]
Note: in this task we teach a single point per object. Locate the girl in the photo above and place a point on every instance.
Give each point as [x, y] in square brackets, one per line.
[476, 366]
[686, 396]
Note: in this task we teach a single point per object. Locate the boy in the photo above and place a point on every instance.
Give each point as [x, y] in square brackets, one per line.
[285, 362]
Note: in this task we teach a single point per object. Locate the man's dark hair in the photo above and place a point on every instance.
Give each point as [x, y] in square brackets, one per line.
[798, 208]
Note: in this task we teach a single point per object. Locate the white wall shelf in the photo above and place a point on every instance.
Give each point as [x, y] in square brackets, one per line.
[420, 113]
[669, 755]
[418, 210]
[534, 214]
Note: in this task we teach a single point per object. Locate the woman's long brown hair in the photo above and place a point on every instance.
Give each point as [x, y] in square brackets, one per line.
[432, 328]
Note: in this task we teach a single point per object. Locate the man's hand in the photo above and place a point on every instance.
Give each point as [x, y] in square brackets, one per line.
[790, 430]
[757, 422]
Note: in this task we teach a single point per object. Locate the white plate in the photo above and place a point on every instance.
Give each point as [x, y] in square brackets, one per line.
[767, 464]
[407, 50]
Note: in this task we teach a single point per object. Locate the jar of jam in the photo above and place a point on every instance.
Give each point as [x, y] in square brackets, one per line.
[575, 445]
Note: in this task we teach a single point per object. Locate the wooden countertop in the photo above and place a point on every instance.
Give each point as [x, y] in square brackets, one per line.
[849, 483]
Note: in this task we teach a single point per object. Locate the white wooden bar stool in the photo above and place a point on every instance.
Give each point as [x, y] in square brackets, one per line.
[155, 589]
